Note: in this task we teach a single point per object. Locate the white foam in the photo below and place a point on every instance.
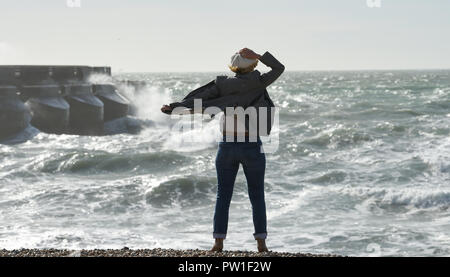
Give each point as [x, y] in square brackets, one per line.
[414, 197]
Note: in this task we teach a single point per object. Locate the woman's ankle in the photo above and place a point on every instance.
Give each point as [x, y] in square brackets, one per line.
[218, 245]
[262, 245]
[219, 240]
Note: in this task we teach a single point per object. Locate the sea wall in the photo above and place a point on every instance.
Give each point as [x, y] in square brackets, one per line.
[58, 99]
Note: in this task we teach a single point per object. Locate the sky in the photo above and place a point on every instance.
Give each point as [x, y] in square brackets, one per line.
[201, 35]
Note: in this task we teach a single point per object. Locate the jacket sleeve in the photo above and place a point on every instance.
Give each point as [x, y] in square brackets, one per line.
[207, 94]
[277, 69]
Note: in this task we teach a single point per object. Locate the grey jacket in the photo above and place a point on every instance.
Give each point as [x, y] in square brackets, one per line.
[241, 90]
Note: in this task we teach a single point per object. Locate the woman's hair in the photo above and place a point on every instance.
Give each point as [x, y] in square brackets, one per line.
[236, 69]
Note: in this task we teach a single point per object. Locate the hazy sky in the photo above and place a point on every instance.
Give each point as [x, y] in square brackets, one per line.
[201, 35]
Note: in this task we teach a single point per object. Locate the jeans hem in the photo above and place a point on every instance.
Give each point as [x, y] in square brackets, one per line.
[219, 236]
[260, 236]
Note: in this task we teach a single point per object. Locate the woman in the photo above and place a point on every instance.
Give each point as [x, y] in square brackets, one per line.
[246, 89]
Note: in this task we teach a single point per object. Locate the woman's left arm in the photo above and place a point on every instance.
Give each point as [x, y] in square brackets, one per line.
[207, 94]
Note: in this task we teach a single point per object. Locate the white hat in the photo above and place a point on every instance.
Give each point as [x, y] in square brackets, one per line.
[240, 62]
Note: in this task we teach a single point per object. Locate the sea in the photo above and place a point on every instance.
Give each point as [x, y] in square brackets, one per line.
[360, 166]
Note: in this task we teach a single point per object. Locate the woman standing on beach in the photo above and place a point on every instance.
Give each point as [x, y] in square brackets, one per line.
[246, 89]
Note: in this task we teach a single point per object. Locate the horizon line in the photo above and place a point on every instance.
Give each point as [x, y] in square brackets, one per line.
[294, 70]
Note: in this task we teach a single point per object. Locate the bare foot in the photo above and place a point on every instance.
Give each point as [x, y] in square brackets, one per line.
[262, 245]
[218, 246]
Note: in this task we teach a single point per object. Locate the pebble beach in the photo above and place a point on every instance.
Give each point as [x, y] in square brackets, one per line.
[157, 252]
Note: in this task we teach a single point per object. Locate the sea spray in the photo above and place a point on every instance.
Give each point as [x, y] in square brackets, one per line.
[147, 100]
[100, 79]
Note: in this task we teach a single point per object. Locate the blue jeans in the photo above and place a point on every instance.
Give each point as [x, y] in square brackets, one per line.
[253, 160]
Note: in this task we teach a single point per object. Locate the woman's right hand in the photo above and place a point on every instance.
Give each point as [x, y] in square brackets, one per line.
[166, 109]
[249, 54]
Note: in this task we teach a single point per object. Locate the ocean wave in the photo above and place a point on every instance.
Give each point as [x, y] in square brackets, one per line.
[99, 161]
[410, 112]
[183, 191]
[443, 105]
[389, 112]
[390, 127]
[332, 177]
[391, 198]
[126, 125]
[338, 136]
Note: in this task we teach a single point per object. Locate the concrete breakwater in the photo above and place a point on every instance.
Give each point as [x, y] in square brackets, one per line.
[58, 99]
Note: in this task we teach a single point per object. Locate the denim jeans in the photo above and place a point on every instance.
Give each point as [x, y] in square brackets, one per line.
[253, 160]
